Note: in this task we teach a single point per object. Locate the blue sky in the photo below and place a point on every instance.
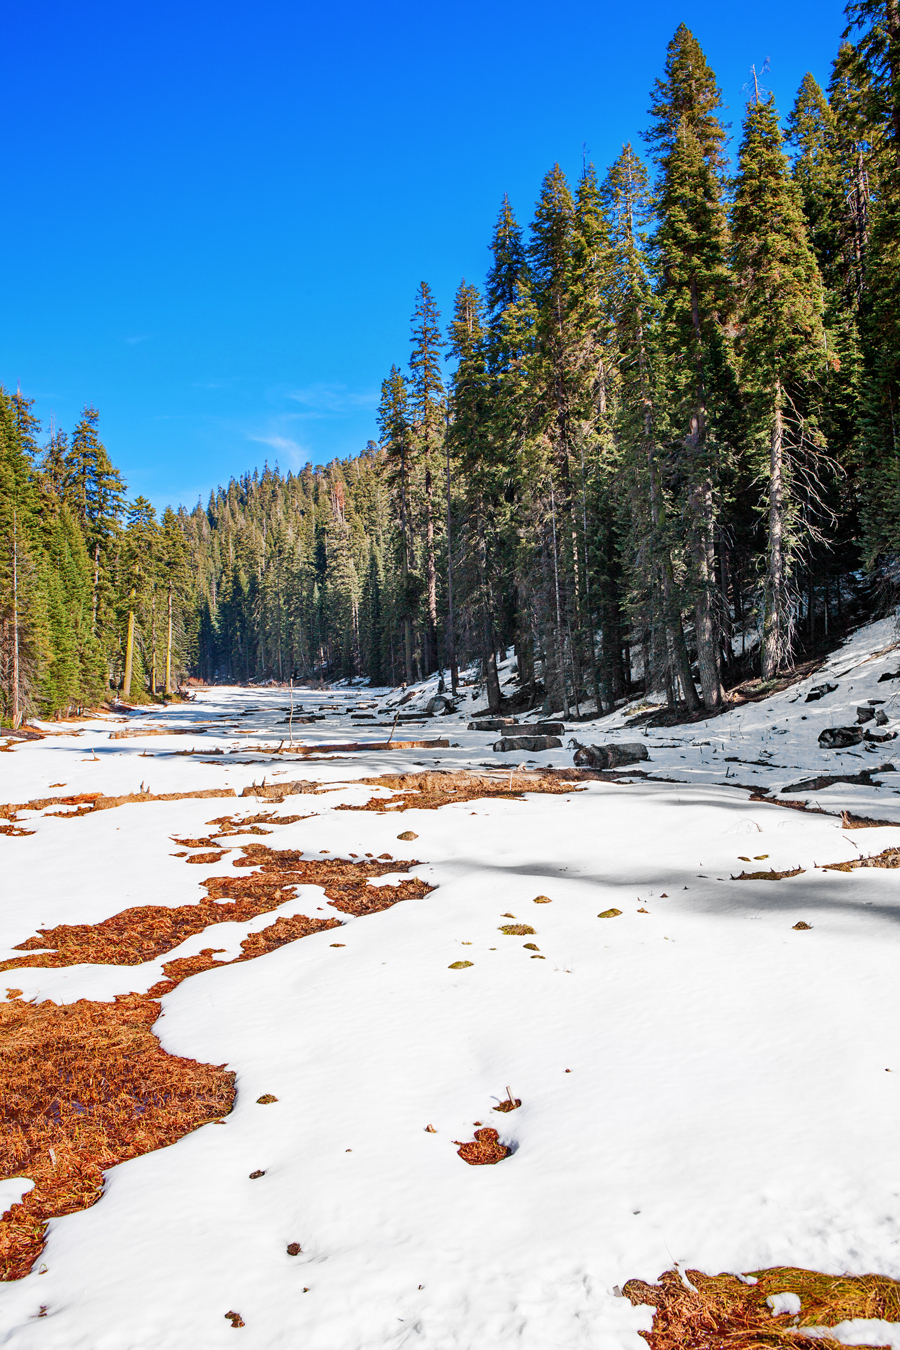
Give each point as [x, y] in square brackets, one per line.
[217, 214]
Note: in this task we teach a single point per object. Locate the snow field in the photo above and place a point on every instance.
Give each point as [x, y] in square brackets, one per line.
[727, 1104]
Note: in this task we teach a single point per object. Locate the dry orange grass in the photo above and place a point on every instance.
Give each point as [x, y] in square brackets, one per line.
[87, 1085]
[721, 1311]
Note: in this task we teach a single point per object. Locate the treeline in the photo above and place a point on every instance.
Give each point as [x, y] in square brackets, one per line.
[94, 591]
[668, 444]
[665, 447]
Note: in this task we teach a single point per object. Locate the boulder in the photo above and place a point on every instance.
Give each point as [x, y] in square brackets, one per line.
[839, 738]
[610, 756]
[440, 705]
[864, 714]
[820, 691]
[510, 744]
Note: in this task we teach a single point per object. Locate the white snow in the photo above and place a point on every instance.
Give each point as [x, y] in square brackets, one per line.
[700, 1083]
[784, 1303]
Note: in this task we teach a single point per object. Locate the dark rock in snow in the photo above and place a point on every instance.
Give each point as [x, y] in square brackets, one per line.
[889, 675]
[440, 705]
[864, 713]
[820, 691]
[873, 737]
[610, 756]
[827, 779]
[839, 738]
[881, 717]
[513, 743]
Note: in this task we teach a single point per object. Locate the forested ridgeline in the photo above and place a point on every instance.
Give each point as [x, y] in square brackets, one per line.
[659, 444]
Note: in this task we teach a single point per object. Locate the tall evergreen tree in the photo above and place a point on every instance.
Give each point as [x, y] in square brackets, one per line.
[426, 404]
[782, 349]
[691, 241]
[655, 598]
[396, 440]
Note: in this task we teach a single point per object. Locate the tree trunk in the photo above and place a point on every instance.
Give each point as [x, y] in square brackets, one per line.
[15, 710]
[451, 620]
[129, 649]
[431, 659]
[676, 646]
[168, 688]
[96, 589]
[775, 620]
[559, 648]
[491, 677]
[153, 642]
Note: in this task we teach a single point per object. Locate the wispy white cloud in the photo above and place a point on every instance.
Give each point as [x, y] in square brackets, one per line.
[331, 400]
[292, 450]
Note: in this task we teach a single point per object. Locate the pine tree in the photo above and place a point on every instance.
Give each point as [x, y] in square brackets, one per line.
[553, 423]
[782, 348]
[426, 405]
[691, 243]
[174, 567]
[509, 266]
[140, 562]
[469, 439]
[24, 639]
[655, 598]
[872, 67]
[396, 440]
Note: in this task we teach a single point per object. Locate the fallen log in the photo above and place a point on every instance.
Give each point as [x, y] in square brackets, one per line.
[510, 744]
[612, 756]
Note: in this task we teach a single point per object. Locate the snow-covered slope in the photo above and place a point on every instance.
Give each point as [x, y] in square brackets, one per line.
[700, 1083]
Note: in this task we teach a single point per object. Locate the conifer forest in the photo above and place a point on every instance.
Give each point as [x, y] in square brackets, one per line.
[657, 447]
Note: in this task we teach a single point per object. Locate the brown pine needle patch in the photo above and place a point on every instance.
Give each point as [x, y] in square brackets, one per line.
[344, 882]
[720, 1310]
[890, 857]
[85, 1086]
[249, 824]
[517, 930]
[483, 1150]
[428, 791]
[771, 875]
[88, 802]
[147, 931]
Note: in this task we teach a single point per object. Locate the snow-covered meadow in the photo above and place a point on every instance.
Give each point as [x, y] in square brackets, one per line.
[701, 1083]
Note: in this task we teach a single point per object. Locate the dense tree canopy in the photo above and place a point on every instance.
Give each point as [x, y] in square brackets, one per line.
[660, 448]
